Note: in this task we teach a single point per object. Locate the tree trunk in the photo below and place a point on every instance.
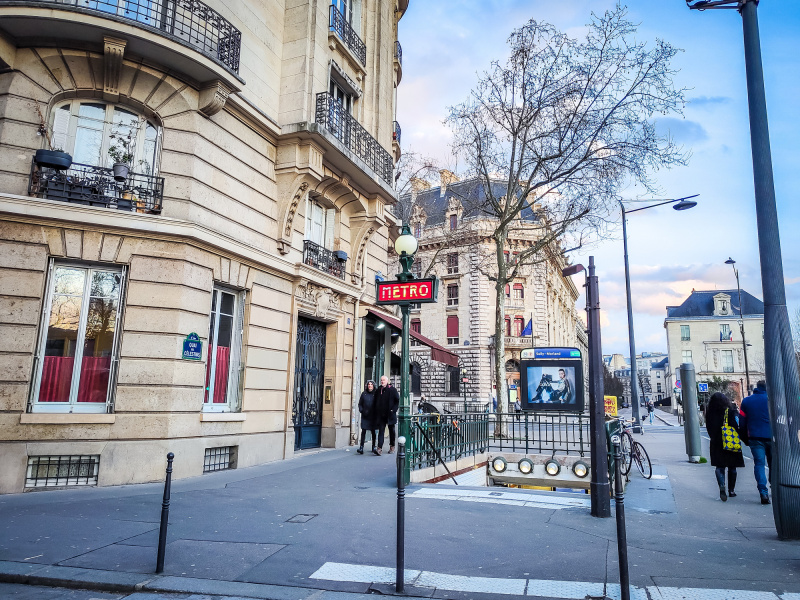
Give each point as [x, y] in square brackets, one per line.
[501, 425]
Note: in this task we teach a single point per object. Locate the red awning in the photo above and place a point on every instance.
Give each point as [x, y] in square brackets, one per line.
[438, 353]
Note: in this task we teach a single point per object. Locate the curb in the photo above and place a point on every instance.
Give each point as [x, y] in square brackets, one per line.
[664, 420]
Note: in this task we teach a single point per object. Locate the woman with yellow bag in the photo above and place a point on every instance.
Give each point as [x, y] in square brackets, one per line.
[725, 447]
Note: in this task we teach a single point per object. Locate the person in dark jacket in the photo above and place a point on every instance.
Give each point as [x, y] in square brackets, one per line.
[718, 407]
[387, 401]
[756, 432]
[366, 406]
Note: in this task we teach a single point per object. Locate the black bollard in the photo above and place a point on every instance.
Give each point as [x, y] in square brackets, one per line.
[162, 534]
[401, 516]
[622, 538]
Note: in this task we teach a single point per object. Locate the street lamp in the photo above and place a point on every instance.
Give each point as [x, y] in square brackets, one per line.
[783, 383]
[732, 263]
[678, 204]
[406, 247]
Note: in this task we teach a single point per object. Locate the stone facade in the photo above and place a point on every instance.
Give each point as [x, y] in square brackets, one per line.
[250, 130]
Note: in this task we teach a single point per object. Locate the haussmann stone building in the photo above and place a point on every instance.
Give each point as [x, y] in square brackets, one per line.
[195, 275]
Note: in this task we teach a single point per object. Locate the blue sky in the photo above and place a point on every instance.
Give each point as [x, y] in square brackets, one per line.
[446, 43]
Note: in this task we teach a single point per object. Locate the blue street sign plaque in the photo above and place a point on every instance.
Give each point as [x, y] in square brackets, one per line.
[702, 387]
[192, 347]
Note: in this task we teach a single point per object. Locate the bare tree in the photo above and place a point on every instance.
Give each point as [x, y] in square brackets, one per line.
[563, 125]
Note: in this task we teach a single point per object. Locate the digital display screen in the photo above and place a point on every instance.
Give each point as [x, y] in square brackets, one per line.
[551, 383]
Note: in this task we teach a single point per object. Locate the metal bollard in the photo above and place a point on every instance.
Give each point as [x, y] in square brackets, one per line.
[691, 412]
[622, 538]
[162, 534]
[401, 516]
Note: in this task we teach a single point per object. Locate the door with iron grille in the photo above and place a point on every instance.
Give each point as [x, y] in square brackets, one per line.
[309, 377]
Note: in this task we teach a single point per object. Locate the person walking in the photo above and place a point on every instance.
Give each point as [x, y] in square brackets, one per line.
[517, 408]
[366, 406]
[719, 413]
[651, 409]
[387, 401]
[756, 432]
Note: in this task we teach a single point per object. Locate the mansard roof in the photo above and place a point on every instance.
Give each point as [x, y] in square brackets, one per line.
[701, 304]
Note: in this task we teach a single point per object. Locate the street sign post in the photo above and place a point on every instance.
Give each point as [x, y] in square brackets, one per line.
[413, 291]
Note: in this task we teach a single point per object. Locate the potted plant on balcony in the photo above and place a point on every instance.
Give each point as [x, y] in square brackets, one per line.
[123, 149]
[51, 157]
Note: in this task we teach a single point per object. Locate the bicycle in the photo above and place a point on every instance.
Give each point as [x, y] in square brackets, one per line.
[626, 446]
[642, 460]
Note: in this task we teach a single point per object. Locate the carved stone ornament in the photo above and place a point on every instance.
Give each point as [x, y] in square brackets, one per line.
[323, 302]
[287, 232]
[113, 53]
[213, 98]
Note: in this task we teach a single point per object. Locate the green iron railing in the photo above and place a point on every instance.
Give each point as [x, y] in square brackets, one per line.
[446, 437]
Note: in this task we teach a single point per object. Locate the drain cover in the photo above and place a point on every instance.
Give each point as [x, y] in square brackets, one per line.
[300, 518]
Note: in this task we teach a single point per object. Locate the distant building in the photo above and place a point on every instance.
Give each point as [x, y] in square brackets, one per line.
[652, 384]
[704, 331]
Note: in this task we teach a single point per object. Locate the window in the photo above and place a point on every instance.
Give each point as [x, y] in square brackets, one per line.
[452, 295]
[505, 256]
[219, 459]
[60, 471]
[508, 291]
[417, 230]
[452, 329]
[453, 222]
[725, 334]
[416, 268]
[319, 224]
[508, 326]
[78, 349]
[224, 352]
[84, 129]
[686, 356]
[519, 291]
[341, 97]
[658, 388]
[346, 8]
[727, 361]
[416, 327]
[685, 335]
[452, 263]
[452, 381]
[519, 325]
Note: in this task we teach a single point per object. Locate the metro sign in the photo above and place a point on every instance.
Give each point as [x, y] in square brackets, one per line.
[413, 291]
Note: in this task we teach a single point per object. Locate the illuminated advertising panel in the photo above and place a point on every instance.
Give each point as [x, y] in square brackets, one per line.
[551, 379]
[414, 291]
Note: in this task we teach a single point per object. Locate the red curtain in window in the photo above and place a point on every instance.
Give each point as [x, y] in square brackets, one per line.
[452, 326]
[519, 325]
[95, 371]
[416, 325]
[220, 375]
[56, 378]
[508, 326]
[508, 291]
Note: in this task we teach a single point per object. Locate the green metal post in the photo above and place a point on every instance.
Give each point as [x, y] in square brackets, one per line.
[404, 414]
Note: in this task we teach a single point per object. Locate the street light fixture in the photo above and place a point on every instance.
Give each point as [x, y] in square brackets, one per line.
[732, 263]
[783, 383]
[678, 204]
[406, 247]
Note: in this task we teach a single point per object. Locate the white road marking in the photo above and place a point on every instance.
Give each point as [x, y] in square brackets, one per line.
[476, 585]
[332, 571]
[672, 593]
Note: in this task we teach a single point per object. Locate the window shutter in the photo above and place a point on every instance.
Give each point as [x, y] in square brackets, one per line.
[61, 127]
[330, 223]
[452, 326]
[235, 381]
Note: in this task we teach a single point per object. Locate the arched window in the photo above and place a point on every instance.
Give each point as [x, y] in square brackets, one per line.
[99, 134]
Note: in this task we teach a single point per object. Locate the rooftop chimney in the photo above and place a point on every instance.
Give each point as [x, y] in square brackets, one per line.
[447, 177]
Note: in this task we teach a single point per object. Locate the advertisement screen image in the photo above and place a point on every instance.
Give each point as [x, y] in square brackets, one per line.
[552, 385]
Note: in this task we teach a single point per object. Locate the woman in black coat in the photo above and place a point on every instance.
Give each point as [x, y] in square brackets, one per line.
[367, 408]
[720, 458]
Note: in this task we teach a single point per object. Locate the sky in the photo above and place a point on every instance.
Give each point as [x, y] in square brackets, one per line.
[448, 43]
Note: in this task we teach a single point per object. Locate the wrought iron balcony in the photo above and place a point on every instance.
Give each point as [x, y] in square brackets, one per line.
[190, 22]
[396, 132]
[398, 52]
[96, 186]
[323, 259]
[343, 29]
[335, 118]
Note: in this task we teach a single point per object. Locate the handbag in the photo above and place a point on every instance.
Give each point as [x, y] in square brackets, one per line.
[730, 437]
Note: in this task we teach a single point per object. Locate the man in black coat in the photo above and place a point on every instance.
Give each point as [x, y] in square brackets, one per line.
[387, 402]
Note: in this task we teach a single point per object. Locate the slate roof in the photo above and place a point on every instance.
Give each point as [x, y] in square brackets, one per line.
[661, 364]
[701, 304]
[472, 195]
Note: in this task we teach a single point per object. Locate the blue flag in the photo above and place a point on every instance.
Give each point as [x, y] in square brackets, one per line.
[528, 329]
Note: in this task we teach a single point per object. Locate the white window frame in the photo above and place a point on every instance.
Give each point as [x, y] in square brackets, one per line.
[688, 336]
[73, 406]
[683, 356]
[236, 366]
[724, 354]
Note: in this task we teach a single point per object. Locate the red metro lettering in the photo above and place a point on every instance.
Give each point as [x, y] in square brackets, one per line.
[405, 291]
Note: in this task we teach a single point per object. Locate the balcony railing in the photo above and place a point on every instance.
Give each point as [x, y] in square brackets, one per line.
[515, 341]
[323, 259]
[96, 186]
[335, 118]
[515, 304]
[398, 52]
[190, 21]
[396, 132]
[339, 25]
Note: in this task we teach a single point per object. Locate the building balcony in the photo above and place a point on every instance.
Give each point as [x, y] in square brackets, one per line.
[323, 259]
[513, 341]
[396, 140]
[96, 186]
[340, 26]
[398, 60]
[334, 117]
[512, 305]
[158, 30]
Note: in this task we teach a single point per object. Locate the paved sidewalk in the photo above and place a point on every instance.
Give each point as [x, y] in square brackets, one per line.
[313, 526]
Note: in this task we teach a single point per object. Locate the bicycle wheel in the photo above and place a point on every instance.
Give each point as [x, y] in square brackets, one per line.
[626, 447]
[642, 460]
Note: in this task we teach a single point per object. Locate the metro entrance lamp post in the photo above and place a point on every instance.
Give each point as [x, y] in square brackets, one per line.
[732, 263]
[678, 204]
[783, 384]
[406, 248]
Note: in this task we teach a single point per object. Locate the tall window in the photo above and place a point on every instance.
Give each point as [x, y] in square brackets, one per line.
[418, 230]
[506, 255]
[346, 8]
[416, 327]
[224, 352]
[685, 335]
[85, 129]
[452, 329]
[727, 361]
[508, 326]
[320, 223]
[416, 268]
[686, 356]
[453, 222]
[519, 291]
[452, 381]
[452, 263]
[508, 291]
[452, 295]
[519, 325]
[78, 349]
[725, 334]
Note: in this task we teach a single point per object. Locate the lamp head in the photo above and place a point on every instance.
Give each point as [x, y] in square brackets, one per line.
[730, 261]
[571, 270]
[406, 243]
[684, 205]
